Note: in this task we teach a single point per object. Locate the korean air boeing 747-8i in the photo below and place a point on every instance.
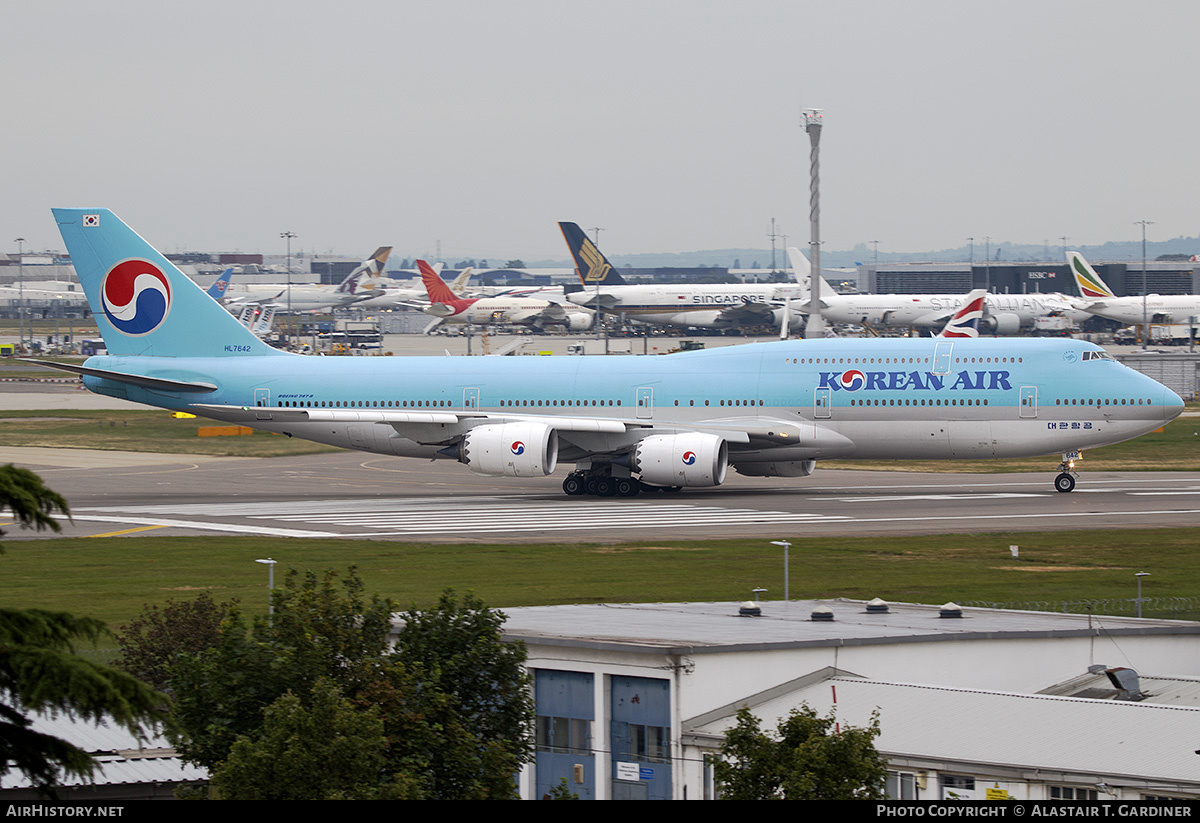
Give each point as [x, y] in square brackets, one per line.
[627, 423]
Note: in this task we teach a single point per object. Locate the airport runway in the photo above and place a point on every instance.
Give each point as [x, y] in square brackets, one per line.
[369, 496]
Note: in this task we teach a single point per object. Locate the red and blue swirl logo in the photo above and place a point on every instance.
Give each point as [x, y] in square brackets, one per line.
[852, 380]
[517, 447]
[136, 297]
[689, 458]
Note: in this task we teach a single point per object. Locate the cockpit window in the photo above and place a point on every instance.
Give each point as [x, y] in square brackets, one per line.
[1097, 355]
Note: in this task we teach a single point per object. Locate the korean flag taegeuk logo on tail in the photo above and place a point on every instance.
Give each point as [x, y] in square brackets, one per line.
[91, 221]
[136, 297]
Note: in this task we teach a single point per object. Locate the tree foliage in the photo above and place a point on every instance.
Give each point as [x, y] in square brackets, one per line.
[324, 748]
[452, 698]
[32, 504]
[152, 642]
[808, 760]
[40, 672]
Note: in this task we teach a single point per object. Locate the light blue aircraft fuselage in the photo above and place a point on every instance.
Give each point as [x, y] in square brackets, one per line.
[767, 409]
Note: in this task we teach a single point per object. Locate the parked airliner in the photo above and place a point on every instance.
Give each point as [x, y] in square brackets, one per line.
[627, 423]
[709, 305]
[1099, 299]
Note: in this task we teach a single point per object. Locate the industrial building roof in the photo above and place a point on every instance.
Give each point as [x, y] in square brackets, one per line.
[697, 628]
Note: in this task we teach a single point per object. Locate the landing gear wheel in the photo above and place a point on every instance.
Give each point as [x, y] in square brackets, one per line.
[591, 484]
[627, 487]
[606, 487]
[573, 485]
[1064, 483]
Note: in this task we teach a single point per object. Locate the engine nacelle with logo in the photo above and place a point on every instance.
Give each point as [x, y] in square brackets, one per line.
[510, 450]
[578, 320]
[690, 459]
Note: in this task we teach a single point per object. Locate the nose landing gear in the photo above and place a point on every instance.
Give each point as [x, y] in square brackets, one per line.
[1065, 482]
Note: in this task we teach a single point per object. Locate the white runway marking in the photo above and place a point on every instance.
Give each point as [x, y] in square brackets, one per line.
[441, 516]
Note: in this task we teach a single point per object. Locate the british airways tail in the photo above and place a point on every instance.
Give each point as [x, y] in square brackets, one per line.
[142, 303]
[1089, 283]
[965, 322]
[590, 264]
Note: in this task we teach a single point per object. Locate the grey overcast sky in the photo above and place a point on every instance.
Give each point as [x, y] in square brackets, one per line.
[675, 126]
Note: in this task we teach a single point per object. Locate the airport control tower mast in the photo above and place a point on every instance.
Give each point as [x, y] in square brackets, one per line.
[815, 327]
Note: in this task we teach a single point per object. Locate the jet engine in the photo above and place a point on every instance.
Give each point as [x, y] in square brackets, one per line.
[1002, 323]
[510, 450]
[690, 459]
[578, 320]
[781, 468]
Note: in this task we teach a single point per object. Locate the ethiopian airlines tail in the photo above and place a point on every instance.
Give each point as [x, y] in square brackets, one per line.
[1089, 283]
[965, 322]
[590, 264]
[142, 303]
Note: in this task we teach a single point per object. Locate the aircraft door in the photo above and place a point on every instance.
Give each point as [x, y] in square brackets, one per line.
[262, 397]
[822, 410]
[470, 398]
[1029, 401]
[645, 402]
[942, 352]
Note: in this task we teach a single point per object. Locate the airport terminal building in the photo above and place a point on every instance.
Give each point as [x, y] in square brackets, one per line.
[633, 700]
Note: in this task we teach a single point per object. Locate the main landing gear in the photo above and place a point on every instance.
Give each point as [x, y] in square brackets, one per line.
[605, 485]
[1065, 482]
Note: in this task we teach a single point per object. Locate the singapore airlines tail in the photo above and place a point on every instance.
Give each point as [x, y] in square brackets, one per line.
[142, 303]
[1089, 283]
[965, 322]
[591, 265]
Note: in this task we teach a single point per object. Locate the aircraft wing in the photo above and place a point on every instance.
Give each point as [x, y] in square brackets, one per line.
[608, 300]
[749, 314]
[614, 435]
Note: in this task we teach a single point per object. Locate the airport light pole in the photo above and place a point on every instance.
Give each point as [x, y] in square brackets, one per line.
[1139, 577]
[1145, 316]
[288, 236]
[815, 327]
[20, 241]
[270, 564]
[786, 545]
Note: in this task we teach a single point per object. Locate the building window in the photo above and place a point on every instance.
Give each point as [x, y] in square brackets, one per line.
[901, 786]
[1073, 793]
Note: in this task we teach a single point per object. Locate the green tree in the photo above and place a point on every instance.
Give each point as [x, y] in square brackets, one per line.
[321, 627]
[40, 671]
[152, 642]
[453, 697]
[808, 760]
[321, 748]
[460, 645]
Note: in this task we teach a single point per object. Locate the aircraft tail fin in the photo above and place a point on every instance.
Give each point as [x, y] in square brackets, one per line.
[459, 285]
[1089, 283]
[372, 268]
[437, 289]
[221, 285]
[590, 263]
[965, 322]
[142, 303]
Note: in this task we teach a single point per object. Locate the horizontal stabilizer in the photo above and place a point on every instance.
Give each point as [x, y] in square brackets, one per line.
[159, 383]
